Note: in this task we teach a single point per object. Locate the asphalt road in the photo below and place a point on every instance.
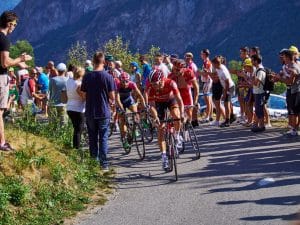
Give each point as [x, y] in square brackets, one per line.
[219, 189]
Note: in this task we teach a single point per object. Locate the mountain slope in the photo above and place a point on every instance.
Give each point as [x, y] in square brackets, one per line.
[174, 25]
[8, 4]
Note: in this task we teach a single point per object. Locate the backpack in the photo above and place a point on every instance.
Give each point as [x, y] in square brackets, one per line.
[269, 84]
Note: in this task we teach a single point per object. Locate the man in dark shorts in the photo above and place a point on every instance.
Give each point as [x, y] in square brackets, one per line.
[8, 22]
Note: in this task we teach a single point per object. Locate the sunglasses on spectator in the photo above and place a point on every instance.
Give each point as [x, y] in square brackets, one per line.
[13, 24]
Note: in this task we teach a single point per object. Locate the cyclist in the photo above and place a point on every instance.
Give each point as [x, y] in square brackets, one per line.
[162, 94]
[124, 99]
[185, 80]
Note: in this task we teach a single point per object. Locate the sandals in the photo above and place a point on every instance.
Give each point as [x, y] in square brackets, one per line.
[6, 147]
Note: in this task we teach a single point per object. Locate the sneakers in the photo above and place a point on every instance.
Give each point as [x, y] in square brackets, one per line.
[204, 121]
[126, 145]
[145, 124]
[268, 125]
[137, 133]
[195, 123]
[165, 162]
[225, 124]
[258, 129]
[214, 123]
[240, 119]
[105, 168]
[179, 141]
[232, 118]
[292, 133]
[186, 136]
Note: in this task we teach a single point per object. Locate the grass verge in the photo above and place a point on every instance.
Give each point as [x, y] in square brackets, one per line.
[45, 181]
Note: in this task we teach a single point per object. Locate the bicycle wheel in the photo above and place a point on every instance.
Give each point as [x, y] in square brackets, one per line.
[139, 141]
[194, 140]
[148, 131]
[173, 155]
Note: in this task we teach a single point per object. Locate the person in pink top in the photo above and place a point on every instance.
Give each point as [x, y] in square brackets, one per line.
[191, 65]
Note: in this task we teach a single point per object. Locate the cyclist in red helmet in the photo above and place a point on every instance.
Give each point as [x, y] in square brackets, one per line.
[185, 80]
[124, 98]
[161, 94]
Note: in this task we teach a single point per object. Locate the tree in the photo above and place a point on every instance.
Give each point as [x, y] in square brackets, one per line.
[20, 47]
[235, 65]
[78, 54]
[120, 51]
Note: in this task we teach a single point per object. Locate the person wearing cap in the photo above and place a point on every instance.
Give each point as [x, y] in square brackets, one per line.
[57, 89]
[136, 76]
[108, 58]
[13, 89]
[43, 85]
[280, 77]
[247, 75]
[295, 52]
[29, 93]
[88, 65]
[290, 75]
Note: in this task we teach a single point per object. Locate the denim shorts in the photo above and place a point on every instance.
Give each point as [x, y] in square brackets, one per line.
[207, 94]
[259, 105]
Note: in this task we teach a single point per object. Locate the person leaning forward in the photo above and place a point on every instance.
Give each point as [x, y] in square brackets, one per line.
[8, 22]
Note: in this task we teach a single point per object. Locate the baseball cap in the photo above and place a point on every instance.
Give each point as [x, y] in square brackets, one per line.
[189, 54]
[88, 62]
[294, 49]
[247, 62]
[61, 67]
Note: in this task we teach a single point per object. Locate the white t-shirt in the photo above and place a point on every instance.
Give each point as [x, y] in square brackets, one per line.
[223, 74]
[75, 102]
[261, 76]
[26, 96]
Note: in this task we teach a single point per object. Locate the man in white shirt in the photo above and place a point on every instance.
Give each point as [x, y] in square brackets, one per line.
[259, 93]
[159, 65]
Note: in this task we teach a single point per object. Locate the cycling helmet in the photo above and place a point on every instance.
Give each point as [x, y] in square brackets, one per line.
[156, 75]
[124, 76]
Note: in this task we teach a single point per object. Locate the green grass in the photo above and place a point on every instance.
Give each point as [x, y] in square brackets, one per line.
[45, 181]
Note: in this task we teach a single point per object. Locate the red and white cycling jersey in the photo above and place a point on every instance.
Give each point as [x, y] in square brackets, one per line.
[164, 94]
[184, 82]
